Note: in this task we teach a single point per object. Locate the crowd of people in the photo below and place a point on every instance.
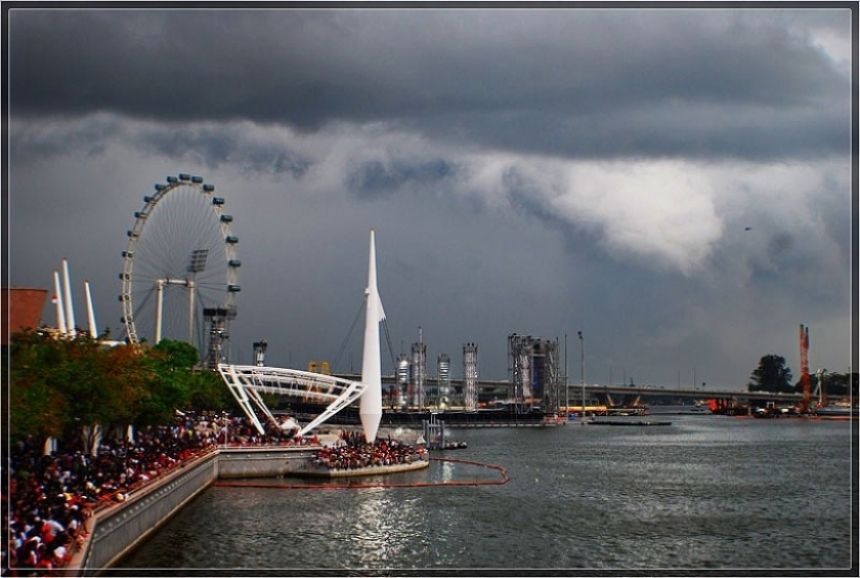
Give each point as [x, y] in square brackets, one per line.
[354, 452]
[51, 496]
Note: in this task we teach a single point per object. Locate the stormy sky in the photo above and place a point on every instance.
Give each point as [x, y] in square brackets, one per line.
[675, 183]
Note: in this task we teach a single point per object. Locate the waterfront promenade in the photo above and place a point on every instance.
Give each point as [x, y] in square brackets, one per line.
[55, 499]
[78, 513]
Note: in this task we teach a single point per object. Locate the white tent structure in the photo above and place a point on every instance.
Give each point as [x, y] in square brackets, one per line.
[248, 382]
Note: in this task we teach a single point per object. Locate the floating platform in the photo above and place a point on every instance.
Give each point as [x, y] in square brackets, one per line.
[630, 423]
[321, 472]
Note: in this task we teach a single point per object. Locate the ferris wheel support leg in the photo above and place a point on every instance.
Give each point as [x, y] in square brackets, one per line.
[159, 308]
[191, 312]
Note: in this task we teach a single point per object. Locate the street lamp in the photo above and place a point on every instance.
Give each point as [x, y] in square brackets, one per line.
[582, 370]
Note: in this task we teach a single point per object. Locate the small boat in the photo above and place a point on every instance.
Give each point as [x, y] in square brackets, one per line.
[835, 411]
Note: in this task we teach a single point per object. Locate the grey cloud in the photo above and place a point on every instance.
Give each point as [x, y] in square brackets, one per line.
[462, 274]
[217, 145]
[211, 145]
[565, 82]
[49, 137]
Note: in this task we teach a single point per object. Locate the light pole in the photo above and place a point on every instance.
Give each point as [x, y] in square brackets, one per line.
[260, 352]
[582, 370]
[566, 388]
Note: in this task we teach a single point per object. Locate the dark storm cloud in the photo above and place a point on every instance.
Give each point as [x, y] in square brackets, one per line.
[565, 82]
[378, 178]
[529, 171]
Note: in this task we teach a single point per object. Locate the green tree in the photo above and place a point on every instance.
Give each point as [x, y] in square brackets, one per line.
[36, 407]
[66, 388]
[178, 355]
[771, 375]
[129, 381]
[209, 392]
[171, 363]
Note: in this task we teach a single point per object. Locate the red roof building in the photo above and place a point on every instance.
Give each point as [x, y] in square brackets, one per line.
[22, 309]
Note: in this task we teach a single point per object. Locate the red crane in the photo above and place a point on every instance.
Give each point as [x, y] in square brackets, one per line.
[804, 368]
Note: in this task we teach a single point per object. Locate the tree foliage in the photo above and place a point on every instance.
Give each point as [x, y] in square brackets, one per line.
[61, 387]
[771, 375]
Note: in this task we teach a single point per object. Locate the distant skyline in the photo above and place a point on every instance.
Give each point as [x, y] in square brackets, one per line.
[674, 183]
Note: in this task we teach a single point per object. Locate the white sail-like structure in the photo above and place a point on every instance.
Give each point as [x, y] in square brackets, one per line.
[370, 408]
[91, 312]
[248, 382]
[67, 294]
[61, 308]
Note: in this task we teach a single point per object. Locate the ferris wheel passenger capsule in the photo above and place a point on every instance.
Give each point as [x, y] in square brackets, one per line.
[233, 288]
[217, 201]
[172, 180]
[197, 180]
[208, 188]
[232, 239]
[226, 218]
[184, 177]
[234, 263]
[160, 186]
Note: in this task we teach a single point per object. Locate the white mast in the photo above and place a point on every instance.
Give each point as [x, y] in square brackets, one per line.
[67, 290]
[91, 315]
[58, 296]
[370, 409]
[159, 308]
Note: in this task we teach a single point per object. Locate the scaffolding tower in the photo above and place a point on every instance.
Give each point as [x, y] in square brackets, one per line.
[470, 376]
[418, 372]
[534, 371]
[218, 321]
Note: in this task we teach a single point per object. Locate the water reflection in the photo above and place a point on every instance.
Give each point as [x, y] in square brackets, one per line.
[447, 471]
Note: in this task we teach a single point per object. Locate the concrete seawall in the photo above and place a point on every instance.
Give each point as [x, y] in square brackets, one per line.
[116, 531]
[263, 462]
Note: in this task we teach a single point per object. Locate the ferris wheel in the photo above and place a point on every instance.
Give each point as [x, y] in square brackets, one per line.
[180, 271]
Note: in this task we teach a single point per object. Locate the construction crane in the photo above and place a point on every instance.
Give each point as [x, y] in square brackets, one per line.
[804, 369]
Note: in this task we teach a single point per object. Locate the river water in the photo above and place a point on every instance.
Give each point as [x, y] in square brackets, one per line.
[707, 492]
